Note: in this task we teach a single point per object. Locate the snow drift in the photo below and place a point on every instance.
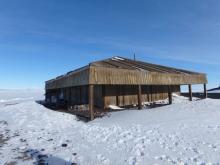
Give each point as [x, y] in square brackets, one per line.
[182, 133]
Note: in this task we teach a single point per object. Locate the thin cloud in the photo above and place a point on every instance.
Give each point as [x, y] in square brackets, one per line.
[191, 55]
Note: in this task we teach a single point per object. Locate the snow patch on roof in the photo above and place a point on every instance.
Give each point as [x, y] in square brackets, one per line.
[117, 58]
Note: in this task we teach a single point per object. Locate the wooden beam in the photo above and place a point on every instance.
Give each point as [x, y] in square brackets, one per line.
[91, 101]
[170, 94]
[190, 92]
[139, 97]
[205, 91]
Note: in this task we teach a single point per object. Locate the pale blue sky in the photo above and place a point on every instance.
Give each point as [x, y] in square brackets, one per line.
[45, 38]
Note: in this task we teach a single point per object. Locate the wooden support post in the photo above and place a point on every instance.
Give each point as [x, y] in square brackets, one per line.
[151, 93]
[205, 91]
[91, 101]
[170, 94]
[139, 97]
[190, 92]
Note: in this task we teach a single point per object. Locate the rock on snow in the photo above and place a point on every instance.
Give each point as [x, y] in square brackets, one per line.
[182, 133]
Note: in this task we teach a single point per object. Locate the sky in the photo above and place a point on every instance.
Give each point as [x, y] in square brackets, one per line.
[42, 39]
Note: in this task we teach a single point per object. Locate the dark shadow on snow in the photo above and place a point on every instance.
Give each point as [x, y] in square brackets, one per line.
[61, 108]
[99, 113]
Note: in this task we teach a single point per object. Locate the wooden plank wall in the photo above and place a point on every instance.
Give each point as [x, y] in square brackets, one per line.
[72, 95]
[98, 93]
[115, 76]
[121, 95]
[79, 78]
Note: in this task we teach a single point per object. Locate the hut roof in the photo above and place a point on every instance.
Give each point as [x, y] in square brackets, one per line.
[125, 63]
[119, 70]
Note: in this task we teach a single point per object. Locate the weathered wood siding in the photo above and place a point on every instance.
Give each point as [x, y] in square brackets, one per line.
[71, 95]
[105, 95]
[112, 76]
[116, 76]
[128, 95]
[77, 95]
[98, 96]
[78, 78]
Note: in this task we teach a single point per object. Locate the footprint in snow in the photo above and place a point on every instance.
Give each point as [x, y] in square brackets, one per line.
[168, 159]
[132, 161]
[102, 159]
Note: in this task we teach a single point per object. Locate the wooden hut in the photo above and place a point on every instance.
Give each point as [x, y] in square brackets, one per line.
[120, 81]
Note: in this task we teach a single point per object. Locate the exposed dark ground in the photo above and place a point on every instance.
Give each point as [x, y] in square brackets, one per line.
[201, 95]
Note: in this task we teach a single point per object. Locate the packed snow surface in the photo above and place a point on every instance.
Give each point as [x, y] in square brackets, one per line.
[19, 95]
[182, 133]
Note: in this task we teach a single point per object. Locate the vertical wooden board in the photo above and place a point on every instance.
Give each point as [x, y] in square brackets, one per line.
[170, 94]
[127, 95]
[74, 96]
[148, 93]
[74, 99]
[144, 93]
[159, 92]
[104, 96]
[98, 99]
[139, 97]
[84, 95]
[153, 94]
[117, 94]
[156, 94]
[78, 95]
[67, 96]
[68, 93]
[71, 95]
[121, 96]
[110, 95]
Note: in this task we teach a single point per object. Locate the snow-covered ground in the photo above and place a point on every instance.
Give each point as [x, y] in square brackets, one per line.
[182, 133]
[13, 96]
